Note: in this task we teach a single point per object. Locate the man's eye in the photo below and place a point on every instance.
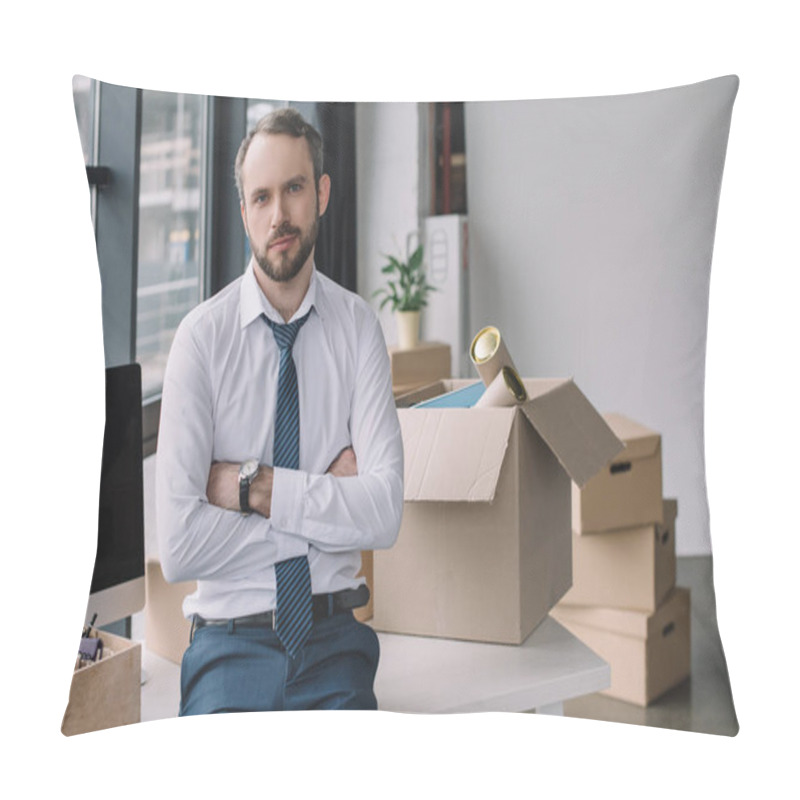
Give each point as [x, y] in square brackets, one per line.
[295, 187]
[261, 198]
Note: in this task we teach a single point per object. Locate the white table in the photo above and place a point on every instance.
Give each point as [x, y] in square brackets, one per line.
[424, 675]
[420, 674]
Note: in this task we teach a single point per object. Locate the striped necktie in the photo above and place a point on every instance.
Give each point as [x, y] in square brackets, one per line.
[293, 617]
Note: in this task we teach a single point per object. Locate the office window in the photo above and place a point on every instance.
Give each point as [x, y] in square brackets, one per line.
[169, 213]
[260, 108]
[171, 179]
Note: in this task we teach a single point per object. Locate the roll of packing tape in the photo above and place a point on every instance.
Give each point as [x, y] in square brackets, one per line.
[506, 389]
[489, 355]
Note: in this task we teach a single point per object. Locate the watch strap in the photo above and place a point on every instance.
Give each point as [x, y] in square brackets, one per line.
[244, 495]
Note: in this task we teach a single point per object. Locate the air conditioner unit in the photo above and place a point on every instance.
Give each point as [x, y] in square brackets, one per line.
[446, 317]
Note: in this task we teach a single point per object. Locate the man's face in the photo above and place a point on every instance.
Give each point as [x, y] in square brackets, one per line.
[281, 206]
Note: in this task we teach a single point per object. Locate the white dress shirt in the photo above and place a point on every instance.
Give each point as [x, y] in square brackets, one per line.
[218, 404]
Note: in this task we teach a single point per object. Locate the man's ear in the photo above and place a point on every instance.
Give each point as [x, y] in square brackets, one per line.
[324, 192]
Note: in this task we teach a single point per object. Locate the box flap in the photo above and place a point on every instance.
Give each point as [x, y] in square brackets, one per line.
[454, 454]
[639, 441]
[576, 433]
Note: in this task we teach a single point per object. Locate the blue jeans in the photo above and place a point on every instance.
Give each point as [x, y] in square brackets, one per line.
[247, 669]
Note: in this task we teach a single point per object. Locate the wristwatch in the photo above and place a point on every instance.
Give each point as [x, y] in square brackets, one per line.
[247, 474]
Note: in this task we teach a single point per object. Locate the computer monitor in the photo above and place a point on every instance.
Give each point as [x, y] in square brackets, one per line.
[118, 584]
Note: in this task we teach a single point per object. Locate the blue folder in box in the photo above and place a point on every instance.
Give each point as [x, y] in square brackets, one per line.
[466, 397]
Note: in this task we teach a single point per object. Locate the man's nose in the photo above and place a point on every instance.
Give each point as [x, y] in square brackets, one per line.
[279, 212]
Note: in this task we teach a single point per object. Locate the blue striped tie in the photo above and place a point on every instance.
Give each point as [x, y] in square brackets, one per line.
[292, 577]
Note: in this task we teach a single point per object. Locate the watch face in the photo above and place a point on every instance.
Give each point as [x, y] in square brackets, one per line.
[248, 470]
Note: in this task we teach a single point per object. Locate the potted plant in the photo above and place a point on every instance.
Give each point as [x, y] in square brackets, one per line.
[406, 291]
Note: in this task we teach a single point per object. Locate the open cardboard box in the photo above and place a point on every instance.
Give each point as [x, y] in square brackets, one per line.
[628, 491]
[485, 546]
[107, 693]
[648, 653]
[627, 568]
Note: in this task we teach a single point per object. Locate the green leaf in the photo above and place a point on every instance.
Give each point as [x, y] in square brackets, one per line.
[416, 259]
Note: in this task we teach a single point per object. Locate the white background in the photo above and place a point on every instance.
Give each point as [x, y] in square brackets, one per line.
[53, 381]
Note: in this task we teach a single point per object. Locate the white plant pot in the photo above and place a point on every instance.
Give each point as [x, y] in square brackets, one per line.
[407, 329]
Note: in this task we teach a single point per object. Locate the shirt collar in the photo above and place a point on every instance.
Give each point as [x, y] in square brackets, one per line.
[254, 303]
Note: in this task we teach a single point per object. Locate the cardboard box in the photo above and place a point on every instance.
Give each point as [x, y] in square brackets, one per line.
[627, 568]
[485, 548]
[365, 612]
[107, 693]
[166, 630]
[648, 653]
[627, 492]
[424, 364]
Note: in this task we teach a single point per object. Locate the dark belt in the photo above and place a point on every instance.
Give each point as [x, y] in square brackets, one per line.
[323, 606]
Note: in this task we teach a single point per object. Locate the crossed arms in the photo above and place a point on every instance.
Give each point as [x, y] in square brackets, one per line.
[223, 482]
[353, 505]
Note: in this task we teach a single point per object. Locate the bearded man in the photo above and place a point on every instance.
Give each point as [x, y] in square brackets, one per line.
[279, 456]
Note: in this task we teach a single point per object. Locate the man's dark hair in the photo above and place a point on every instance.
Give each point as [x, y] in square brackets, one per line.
[286, 121]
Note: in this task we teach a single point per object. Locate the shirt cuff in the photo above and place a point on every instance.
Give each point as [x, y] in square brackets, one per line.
[286, 505]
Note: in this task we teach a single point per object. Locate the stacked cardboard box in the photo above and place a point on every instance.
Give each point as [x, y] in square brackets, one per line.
[166, 630]
[624, 603]
[424, 364]
[485, 548]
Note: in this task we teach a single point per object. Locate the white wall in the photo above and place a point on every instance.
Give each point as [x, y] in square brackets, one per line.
[591, 231]
[387, 189]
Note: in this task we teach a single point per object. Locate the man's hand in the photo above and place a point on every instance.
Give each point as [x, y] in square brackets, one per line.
[344, 465]
[223, 488]
[223, 485]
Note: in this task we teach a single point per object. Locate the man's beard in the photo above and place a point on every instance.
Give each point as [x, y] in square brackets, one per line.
[288, 267]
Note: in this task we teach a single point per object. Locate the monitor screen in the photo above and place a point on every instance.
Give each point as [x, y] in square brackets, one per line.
[117, 588]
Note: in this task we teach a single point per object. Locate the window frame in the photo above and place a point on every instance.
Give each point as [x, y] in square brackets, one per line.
[115, 210]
